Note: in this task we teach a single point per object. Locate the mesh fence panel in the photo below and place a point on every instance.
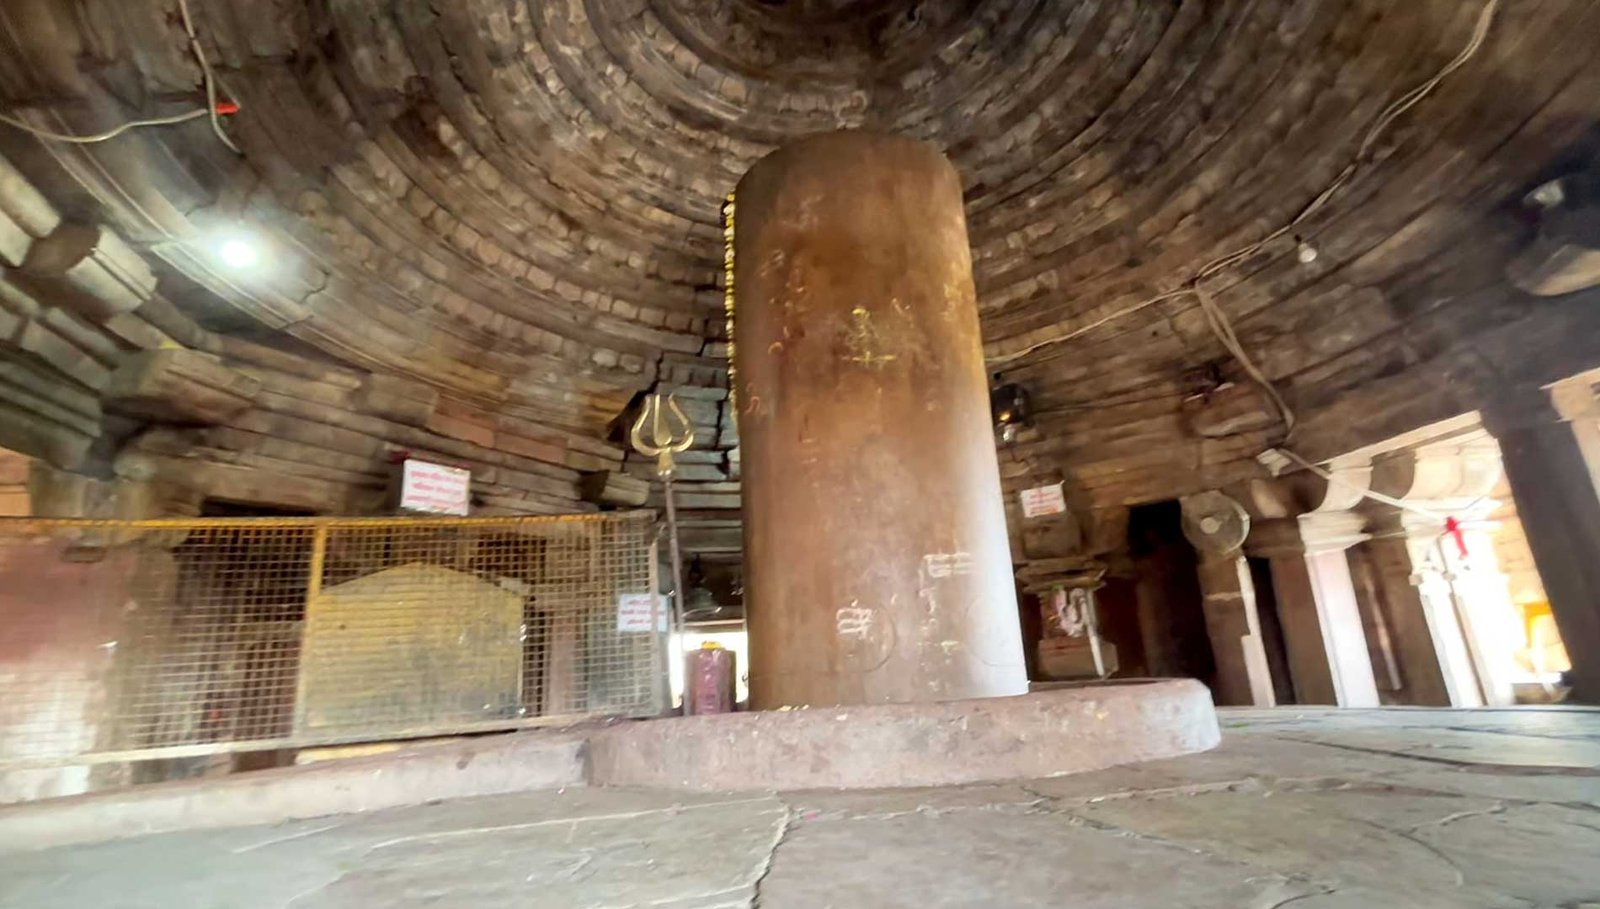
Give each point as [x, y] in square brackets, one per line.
[121, 640]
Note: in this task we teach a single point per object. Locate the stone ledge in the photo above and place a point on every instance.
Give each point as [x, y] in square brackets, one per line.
[461, 769]
[1043, 734]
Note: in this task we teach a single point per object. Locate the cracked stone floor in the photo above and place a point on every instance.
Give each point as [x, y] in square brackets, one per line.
[1310, 808]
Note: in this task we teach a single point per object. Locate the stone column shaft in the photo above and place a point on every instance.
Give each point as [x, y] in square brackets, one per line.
[877, 562]
[1328, 659]
[1228, 596]
[1429, 645]
[1550, 445]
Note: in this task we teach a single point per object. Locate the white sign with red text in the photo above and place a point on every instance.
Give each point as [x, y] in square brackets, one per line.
[640, 612]
[435, 488]
[1042, 500]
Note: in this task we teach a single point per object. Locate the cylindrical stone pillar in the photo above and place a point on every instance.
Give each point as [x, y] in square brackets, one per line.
[877, 567]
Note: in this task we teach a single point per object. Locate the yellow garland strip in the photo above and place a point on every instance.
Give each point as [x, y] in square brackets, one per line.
[727, 300]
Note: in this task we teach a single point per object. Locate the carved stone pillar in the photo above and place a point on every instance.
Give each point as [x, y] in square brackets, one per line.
[1425, 632]
[1491, 622]
[1448, 630]
[1217, 525]
[1550, 445]
[1327, 649]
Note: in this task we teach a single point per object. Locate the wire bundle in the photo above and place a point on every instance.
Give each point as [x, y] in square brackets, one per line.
[214, 109]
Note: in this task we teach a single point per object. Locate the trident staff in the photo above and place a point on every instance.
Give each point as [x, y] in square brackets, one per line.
[664, 441]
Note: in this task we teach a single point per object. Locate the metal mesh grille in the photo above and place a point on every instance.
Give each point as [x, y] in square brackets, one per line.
[166, 638]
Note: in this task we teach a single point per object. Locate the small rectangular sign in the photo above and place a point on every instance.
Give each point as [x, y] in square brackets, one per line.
[1042, 500]
[435, 488]
[639, 612]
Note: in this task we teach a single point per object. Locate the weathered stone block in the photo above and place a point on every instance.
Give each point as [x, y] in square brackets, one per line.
[251, 485]
[182, 386]
[23, 205]
[45, 345]
[1230, 410]
[463, 425]
[14, 241]
[394, 398]
[614, 488]
[31, 434]
[89, 270]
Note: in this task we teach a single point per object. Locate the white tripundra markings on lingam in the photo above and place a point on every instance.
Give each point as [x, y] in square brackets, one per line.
[807, 213]
[937, 565]
[853, 621]
[775, 261]
[864, 339]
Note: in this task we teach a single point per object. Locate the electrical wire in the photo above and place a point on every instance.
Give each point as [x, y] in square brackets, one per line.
[209, 77]
[1085, 329]
[1223, 329]
[213, 108]
[103, 136]
[1390, 113]
[1217, 320]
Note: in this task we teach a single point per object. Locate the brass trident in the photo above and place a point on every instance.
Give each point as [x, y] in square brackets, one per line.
[665, 441]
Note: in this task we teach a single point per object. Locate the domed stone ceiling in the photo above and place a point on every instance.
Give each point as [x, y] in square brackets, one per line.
[515, 204]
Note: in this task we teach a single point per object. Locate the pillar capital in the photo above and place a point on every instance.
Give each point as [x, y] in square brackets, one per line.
[1313, 533]
[1456, 471]
[1331, 531]
[1575, 400]
[1447, 479]
[1528, 406]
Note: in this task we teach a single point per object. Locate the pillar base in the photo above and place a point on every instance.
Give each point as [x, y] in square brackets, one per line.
[1066, 729]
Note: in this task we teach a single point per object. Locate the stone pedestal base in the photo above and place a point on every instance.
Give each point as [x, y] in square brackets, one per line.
[1064, 730]
[1047, 733]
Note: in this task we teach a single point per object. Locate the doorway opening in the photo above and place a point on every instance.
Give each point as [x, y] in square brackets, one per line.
[1172, 621]
[1272, 642]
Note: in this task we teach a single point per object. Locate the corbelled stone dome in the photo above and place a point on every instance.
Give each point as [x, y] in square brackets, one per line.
[486, 225]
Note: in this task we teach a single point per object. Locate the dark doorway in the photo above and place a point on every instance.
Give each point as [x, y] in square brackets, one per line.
[224, 508]
[1172, 621]
[1118, 609]
[1271, 631]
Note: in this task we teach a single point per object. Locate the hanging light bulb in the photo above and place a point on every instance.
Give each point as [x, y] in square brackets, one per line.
[1305, 252]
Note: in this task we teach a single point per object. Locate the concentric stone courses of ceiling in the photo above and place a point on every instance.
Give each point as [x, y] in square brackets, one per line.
[482, 227]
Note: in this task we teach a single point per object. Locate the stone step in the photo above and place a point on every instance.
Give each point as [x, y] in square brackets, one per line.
[459, 769]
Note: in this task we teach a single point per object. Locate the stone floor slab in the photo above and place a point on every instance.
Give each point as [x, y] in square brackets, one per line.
[1266, 821]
